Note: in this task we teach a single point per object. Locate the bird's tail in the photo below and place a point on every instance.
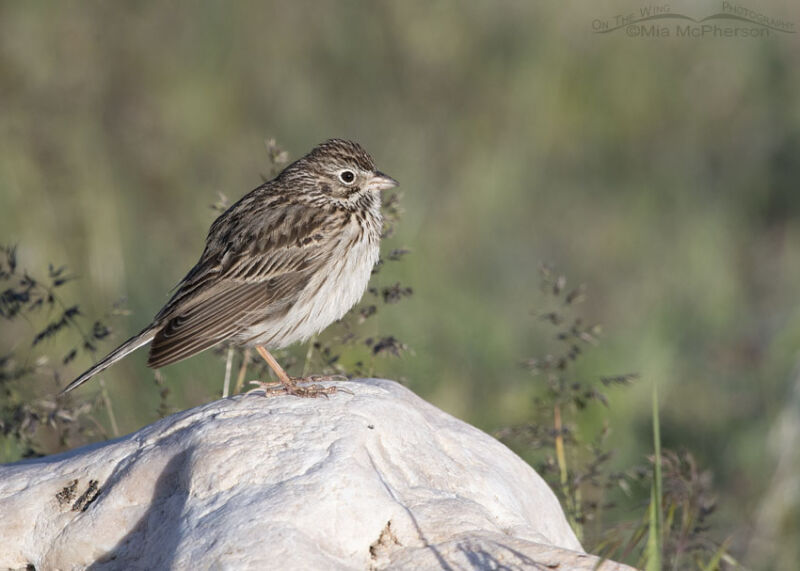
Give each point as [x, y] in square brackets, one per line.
[129, 346]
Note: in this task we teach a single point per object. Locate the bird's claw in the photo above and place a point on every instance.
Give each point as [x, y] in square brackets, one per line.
[276, 388]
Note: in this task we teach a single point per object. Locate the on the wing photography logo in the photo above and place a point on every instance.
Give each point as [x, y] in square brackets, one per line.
[659, 21]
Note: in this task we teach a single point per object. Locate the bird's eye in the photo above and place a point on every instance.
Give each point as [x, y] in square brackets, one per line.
[347, 176]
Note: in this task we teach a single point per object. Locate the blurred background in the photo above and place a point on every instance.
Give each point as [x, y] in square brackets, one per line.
[662, 172]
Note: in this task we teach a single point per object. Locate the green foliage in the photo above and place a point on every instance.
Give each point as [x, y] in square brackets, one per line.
[48, 332]
[654, 553]
[608, 509]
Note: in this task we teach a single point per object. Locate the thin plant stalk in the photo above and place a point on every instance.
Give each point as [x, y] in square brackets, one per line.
[655, 540]
[561, 459]
[112, 418]
[309, 353]
[226, 385]
[242, 371]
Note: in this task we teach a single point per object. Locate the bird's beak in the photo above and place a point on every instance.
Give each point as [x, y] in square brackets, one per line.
[380, 181]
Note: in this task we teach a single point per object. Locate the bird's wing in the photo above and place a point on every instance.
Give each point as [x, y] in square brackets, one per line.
[225, 294]
[226, 310]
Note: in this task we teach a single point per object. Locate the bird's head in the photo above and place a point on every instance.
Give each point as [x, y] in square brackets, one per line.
[340, 169]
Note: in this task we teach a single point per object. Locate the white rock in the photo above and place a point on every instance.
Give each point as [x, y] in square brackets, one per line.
[370, 480]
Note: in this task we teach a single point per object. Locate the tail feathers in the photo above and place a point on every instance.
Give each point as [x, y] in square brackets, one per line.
[126, 348]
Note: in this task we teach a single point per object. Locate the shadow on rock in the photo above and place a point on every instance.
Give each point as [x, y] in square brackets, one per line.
[154, 540]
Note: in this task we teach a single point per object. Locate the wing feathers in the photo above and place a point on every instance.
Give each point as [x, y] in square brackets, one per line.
[126, 348]
[223, 297]
[234, 308]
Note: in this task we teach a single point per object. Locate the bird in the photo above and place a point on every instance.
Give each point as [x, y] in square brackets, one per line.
[280, 265]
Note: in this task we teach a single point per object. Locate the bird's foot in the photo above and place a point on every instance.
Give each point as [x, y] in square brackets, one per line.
[293, 386]
[318, 378]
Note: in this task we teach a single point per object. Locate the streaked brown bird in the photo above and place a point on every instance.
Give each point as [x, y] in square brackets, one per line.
[280, 265]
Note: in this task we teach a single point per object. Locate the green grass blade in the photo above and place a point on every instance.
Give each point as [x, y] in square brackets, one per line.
[656, 514]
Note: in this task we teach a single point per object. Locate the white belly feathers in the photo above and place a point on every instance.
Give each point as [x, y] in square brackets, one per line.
[328, 296]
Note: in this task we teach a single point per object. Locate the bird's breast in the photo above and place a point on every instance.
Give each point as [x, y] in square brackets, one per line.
[335, 287]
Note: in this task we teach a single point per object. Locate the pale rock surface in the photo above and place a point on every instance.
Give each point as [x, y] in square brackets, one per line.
[376, 479]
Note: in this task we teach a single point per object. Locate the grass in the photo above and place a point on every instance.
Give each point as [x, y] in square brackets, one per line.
[617, 513]
[654, 553]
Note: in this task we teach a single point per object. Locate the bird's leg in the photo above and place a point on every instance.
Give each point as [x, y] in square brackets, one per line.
[286, 384]
[285, 379]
